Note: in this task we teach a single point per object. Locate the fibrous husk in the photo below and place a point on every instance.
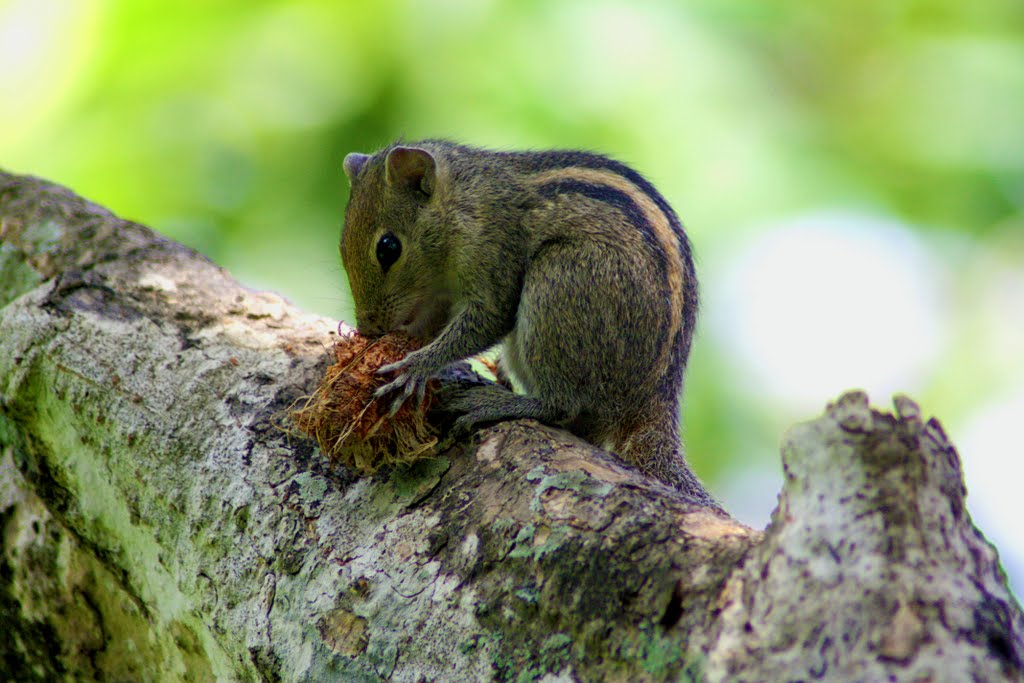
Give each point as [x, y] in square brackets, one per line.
[352, 427]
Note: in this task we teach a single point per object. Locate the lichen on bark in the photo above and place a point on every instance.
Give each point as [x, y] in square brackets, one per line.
[159, 523]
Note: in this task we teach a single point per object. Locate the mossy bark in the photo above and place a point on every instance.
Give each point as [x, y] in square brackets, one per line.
[158, 524]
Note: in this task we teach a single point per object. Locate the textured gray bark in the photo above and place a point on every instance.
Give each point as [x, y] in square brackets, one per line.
[158, 525]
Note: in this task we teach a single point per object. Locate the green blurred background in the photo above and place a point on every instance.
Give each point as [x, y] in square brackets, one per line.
[851, 173]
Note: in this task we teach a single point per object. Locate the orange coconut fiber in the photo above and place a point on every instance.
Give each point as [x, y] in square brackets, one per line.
[351, 426]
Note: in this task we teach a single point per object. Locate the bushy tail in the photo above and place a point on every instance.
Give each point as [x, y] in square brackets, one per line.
[655, 448]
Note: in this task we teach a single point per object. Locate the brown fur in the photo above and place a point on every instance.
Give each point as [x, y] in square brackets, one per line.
[573, 260]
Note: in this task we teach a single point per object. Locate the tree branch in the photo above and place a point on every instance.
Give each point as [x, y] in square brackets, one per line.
[158, 524]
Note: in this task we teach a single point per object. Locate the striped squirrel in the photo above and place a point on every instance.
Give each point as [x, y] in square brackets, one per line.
[575, 261]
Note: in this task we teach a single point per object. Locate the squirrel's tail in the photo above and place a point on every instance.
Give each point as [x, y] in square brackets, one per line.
[654, 446]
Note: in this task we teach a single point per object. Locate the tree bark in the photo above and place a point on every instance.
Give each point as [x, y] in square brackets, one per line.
[159, 524]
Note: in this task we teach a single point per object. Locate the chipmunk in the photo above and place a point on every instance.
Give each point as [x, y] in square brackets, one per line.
[573, 260]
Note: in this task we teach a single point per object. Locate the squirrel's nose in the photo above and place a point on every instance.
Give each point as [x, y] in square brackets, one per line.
[369, 326]
[370, 330]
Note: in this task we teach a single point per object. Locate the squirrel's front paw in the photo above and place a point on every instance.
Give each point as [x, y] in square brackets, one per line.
[407, 383]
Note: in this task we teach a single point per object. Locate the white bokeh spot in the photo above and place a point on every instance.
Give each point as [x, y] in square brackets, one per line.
[829, 302]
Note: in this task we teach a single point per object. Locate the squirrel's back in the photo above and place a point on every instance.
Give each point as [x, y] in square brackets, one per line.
[503, 176]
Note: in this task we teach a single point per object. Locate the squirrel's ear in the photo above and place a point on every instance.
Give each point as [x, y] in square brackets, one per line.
[353, 164]
[411, 167]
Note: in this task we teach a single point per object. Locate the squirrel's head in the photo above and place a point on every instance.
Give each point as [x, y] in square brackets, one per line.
[392, 244]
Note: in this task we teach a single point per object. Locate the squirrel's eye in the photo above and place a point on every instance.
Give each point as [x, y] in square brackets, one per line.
[388, 250]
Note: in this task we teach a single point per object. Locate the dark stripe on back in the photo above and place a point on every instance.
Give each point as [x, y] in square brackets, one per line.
[547, 161]
[624, 203]
[556, 159]
[608, 195]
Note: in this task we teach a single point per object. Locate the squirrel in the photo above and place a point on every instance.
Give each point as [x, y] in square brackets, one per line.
[572, 259]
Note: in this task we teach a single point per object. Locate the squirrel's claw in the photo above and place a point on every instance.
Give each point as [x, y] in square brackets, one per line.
[399, 383]
[464, 425]
[456, 399]
[403, 385]
[392, 367]
[406, 384]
